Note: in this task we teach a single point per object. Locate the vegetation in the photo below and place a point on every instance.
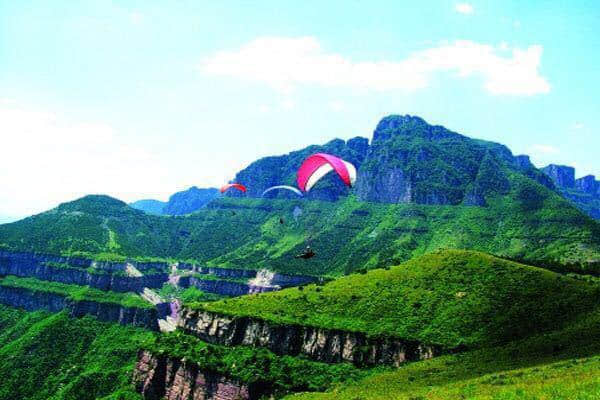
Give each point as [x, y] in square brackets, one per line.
[564, 364]
[277, 374]
[188, 295]
[76, 292]
[51, 356]
[529, 223]
[452, 298]
[89, 270]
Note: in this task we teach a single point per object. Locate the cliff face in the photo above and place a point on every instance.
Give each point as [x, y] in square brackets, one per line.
[103, 278]
[161, 377]
[316, 343]
[583, 192]
[223, 287]
[563, 176]
[410, 161]
[109, 312]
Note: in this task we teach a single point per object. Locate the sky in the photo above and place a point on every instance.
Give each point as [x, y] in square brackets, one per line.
[140, 99]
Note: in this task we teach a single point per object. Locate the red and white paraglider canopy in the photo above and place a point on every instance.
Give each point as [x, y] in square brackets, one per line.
[318, 165]
[237, 186]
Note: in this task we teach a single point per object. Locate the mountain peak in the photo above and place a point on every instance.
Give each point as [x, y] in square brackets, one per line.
[98, 204]
[562, 175]
[410, 125]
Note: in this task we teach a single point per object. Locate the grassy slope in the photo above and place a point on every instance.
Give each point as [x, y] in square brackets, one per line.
[558, 365]
[76, 292]
[52, 356]
[529, 223]
[451, 298]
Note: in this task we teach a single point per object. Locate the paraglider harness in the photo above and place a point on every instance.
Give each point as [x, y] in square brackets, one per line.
[307, 253]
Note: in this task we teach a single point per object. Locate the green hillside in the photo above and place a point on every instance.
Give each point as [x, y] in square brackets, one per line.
[562, 365]
[75, 292]
[529, 223]
[51, 356]
[450, 298]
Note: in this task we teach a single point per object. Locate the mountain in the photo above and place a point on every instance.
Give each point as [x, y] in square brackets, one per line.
[281, 170]
[583, 192]
[180, 203]
[149, 206]
[190, 200]
[420, 188]
[407, 161]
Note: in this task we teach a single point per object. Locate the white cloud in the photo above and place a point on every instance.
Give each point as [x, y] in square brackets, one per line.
[136, 17]
[464, 8]
[578, 125]
[285, 63]
[336, 105]
[46, 158]
[288, 104]
[263, 108]
[544, 149]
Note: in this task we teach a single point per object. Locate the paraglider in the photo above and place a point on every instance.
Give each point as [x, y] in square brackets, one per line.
[306, 254]
[318, 165]
[237, 186]
[282, 187]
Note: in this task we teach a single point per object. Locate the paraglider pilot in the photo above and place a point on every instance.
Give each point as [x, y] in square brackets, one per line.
[307, 253]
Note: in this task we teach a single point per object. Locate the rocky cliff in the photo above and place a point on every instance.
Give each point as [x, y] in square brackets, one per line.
[222, 286]
[563, 176]
[80, 271]
[583, 192]
[315, 343]
[109, 312]
[159, 377]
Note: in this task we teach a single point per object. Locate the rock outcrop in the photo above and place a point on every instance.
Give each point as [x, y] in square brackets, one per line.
[589, 185]
[222, 286]
[563, 176]
[159, 377]
[110, 312]
[319, 344]
[583, 192]
[80, 271]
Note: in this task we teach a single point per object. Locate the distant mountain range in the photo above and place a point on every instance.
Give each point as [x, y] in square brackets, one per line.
[180, 203]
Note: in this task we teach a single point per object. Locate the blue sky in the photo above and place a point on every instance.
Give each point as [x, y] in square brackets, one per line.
[139, 99]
